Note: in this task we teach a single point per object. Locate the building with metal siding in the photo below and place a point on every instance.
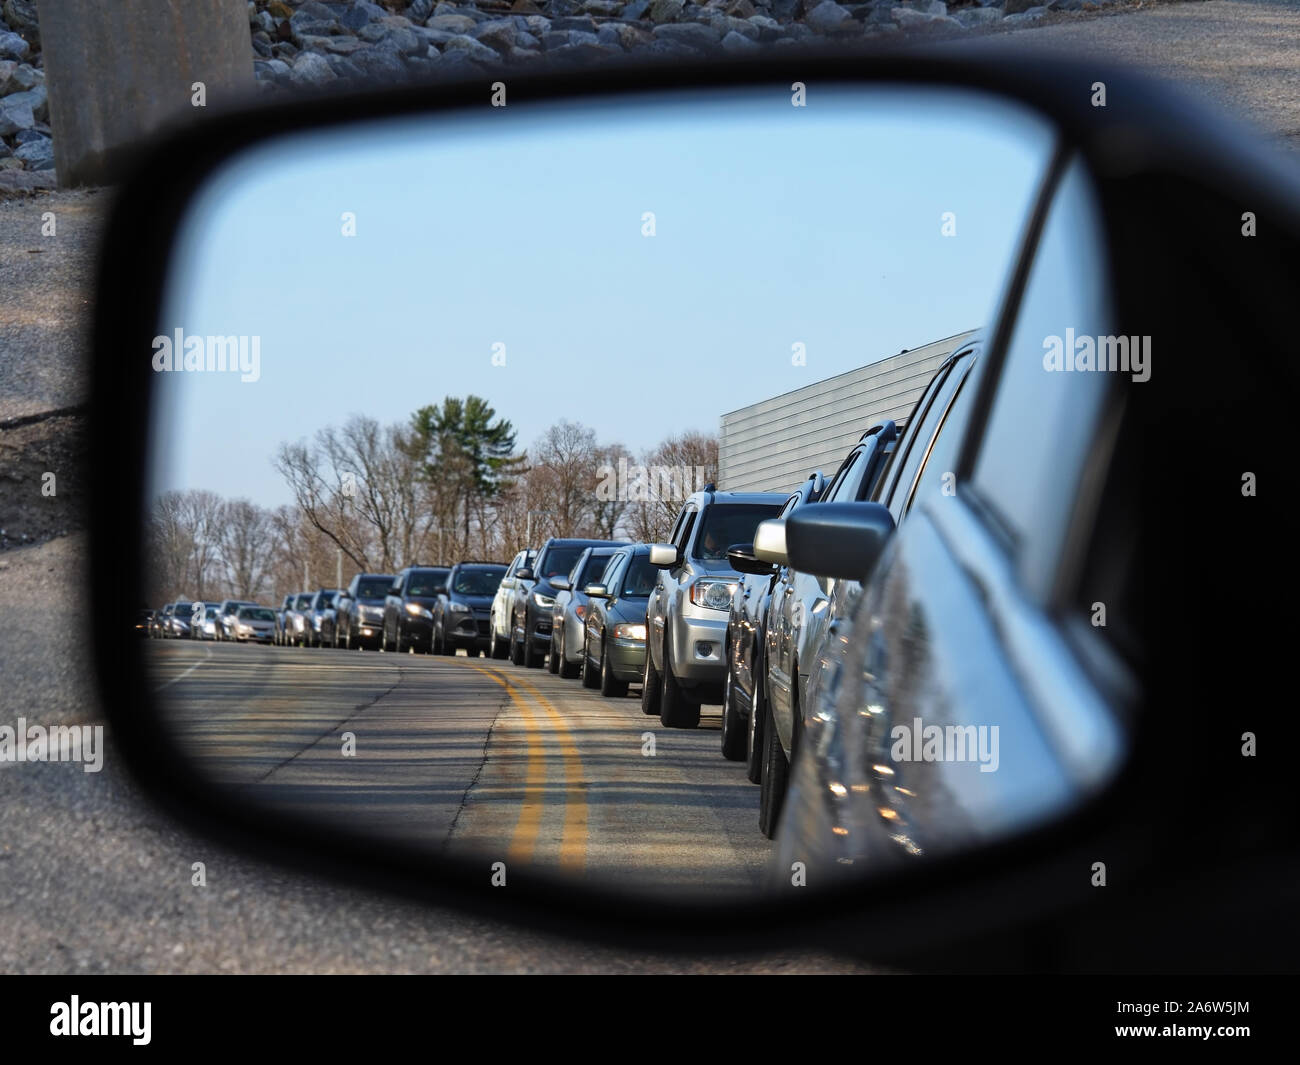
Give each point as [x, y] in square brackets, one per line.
[773, 445]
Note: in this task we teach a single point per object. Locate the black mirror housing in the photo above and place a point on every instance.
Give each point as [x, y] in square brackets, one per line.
[841, 540]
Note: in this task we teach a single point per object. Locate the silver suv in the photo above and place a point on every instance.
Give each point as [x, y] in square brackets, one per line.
[686, 618]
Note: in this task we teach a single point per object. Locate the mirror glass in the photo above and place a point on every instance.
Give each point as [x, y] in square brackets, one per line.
[438, 342]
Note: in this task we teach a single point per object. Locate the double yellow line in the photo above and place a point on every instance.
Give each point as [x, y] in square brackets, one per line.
[523, 842]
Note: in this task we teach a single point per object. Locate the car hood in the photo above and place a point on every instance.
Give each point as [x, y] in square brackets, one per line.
[627, 610]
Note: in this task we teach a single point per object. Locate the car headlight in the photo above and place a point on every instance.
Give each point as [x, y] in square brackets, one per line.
[417, 611]
[630, 631]
[713, 594]
[245, 629]
[543, 602]
[455, 607]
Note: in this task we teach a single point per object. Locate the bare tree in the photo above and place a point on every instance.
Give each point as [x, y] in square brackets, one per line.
[676, 467]
[244, 542]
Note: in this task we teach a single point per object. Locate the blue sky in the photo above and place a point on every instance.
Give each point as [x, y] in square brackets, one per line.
[775, 225]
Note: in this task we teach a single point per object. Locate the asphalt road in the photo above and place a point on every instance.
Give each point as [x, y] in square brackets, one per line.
[469, 756]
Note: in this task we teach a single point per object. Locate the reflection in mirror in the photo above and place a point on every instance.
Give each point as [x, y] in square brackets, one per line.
[442, 342]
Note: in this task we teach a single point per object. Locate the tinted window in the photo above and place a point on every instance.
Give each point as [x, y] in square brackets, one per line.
[594, 570]
[303, 602]
[640, 579]
[942, 458]
[478, 581]
[919, 444]
[730, 523]
[684, 531]
[559, 561]
[1044, 415]
[374, 587]
[426, 582]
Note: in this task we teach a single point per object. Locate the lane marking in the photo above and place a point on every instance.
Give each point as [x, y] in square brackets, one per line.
[167, 684]
[523, 842]
[573, 846]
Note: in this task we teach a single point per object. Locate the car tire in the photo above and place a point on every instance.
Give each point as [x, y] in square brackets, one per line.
[610, 686]
[496, 648]
[676, 710]
[532, 658]
[651, 686]
[734, 734]
[555, 652]
[516, 650]
[776, 776]
[590, 677]
[398, 645]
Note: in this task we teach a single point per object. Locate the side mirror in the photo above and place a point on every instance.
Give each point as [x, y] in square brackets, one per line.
[596, 591]
[769, 542]
[562, 583]
[664, 555]
[524, 574]
[841, 540]
[741, 557]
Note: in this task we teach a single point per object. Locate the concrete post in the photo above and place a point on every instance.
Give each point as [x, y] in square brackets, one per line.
[118, 70]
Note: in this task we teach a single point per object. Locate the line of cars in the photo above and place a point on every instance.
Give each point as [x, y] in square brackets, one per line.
[814, 618]
[231, 619]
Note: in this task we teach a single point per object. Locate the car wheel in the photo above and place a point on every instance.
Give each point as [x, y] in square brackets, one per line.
[555, 652]
[676, 709]
[776, 774]
[532, 659]
[590, 677]
[734, 734]
[498, 649]
[651, 684]
[399, 645]
[516, 650]
[610, 686]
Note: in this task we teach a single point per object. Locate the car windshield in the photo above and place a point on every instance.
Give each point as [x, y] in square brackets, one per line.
[374, 587]
[211, 612]
[256, 613]
[593, 570]
[559, 561]
[640, 579]
[478, 581]
[326, 599]
[427, 582]
[303, 602]
[731, 523]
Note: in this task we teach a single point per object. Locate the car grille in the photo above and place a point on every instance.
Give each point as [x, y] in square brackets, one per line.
[482, 626]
